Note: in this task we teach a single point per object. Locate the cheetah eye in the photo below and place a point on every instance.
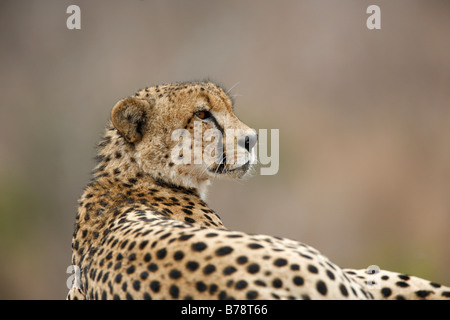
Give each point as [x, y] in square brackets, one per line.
[203, 115]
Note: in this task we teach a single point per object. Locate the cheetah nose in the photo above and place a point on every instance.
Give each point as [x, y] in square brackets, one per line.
[248, 142]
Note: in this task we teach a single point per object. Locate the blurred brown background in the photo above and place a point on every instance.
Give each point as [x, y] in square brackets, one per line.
[364, 120]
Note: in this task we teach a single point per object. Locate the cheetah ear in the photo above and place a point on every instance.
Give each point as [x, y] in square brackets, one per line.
[129, 116]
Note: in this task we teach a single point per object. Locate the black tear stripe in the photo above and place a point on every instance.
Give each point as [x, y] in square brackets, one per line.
[220, 149]
[222, 158]
[218, 126]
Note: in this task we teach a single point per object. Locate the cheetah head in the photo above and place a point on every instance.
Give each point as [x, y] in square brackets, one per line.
[185, 134]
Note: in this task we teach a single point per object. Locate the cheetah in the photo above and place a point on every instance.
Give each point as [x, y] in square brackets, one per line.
[144, 231]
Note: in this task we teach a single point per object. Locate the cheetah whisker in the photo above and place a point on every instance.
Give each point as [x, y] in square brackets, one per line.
[229, 90]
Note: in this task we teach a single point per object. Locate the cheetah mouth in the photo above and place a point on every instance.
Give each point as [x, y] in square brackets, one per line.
[221, 168]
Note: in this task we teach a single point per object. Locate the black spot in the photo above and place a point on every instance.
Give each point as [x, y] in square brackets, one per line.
[222, 295]
[252, 294]
[224, 251]
[114, 243]
[242, 260]
[143, 244]
[147, 296]
[192, 265]
[321, 287]
[253, 268]
[423, 293]
[144, 275]
[312, 269]
[332, 266]
[178, 255]
[400, 297]
[330, 275]
[105, 277]
[161, 253]
[386, 292]
[147, 257]
[350, 272]
[434, 284]
[232, 235]
[402, 284]
[129, 297]
[118, 278]
[152, 267]
[175, 274]
[385, 278]
[211, 235]
[187, 211]
[99, 276]
[200, 286]
[213, 288]
[229, 270]
[198, 246]
[137, 285]
[185, 237]
[403, 277]
[174, 291]
[306, 256]
[295, 267]
[343, 290]
[260, 283]
[277, 283]
[366, 294]
[446, 294]
[132, 257]
[255, 246]
[189, 220]
[164, 236]
[209, 269]
[131, 269]
[242, 284]
[280, 262]
[155, 286]
[298, 281]
[131, 246]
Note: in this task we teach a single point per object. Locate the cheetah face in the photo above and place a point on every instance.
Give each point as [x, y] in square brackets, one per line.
[186, 134]
[222, 146]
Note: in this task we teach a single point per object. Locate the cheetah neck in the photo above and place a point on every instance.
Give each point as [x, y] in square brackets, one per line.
[118, 159]
[119, 183]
